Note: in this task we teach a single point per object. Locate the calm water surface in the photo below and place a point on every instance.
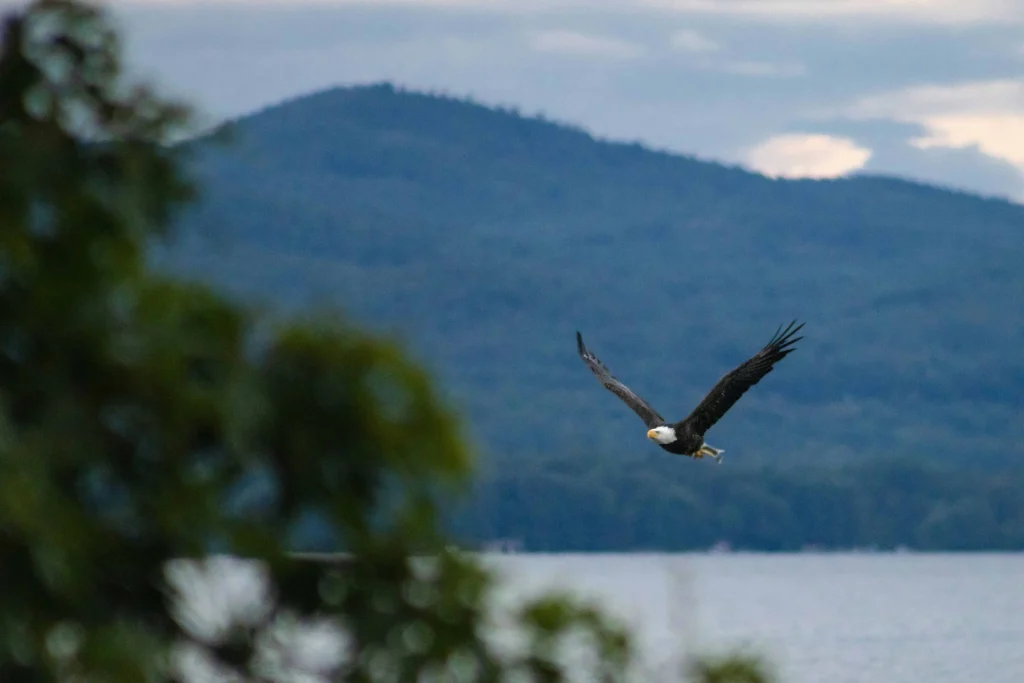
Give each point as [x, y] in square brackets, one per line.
[843, 618]
[836, 618]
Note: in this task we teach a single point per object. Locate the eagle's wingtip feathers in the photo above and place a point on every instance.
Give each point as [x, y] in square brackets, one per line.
[783, 340]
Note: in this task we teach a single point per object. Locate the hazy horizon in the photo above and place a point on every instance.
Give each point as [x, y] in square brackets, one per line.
[928, 90]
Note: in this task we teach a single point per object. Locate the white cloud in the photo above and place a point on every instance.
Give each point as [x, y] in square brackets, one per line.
[919, 11]
[988, 115]
[807, 156]
[687, 40]
[577, 43]
[1001, 95]
[1000, 136]
[305, 3]
[762, 69]
[923, 11]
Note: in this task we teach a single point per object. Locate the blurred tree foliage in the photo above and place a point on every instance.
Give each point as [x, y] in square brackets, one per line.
[135, 410]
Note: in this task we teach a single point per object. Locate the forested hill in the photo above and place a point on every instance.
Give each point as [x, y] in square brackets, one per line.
[485, 239]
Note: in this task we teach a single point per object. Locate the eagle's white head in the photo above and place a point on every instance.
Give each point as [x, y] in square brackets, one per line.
[663, 435]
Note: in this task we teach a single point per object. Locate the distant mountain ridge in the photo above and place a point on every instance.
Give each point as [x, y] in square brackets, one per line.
[485, 239]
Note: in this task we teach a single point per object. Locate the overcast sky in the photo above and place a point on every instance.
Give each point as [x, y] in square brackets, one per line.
[928, 89]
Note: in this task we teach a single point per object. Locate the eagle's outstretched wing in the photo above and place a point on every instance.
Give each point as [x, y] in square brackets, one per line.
[735, 384]
[648, 414]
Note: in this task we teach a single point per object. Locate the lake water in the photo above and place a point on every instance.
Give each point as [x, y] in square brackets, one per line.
[835, 618]
[828, 618]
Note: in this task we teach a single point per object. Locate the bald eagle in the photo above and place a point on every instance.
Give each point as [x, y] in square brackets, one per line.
[686, 437]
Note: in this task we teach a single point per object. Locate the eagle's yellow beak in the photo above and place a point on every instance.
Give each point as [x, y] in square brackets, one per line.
[651, 433]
